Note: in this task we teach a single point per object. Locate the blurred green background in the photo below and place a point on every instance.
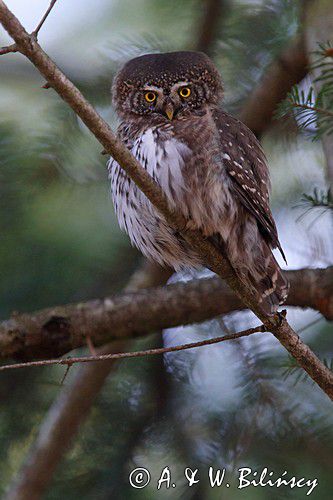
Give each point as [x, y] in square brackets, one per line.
[225, 406]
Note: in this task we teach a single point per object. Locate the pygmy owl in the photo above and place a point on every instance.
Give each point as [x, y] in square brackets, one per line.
[209, 164]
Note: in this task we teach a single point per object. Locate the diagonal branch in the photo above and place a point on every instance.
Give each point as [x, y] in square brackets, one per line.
[55, 331]
[277, 324]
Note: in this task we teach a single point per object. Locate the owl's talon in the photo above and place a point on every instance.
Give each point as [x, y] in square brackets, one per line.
[281, 316]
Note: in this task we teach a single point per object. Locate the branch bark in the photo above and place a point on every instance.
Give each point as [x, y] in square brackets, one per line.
[55, 331]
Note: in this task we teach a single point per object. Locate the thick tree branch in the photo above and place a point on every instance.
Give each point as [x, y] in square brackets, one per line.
[290, 68]
[55, 331]
[277, 324]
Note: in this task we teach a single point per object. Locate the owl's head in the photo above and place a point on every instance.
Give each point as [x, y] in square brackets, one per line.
[167, 85]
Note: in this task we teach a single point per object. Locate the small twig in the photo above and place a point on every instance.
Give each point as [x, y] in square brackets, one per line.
[315, 109]
[36, 31]
[66, 373]
[91, 346]
[136, 354]
[8, 49]
[13, 47]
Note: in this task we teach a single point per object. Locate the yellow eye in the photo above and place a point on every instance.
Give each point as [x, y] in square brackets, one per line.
[150, 96]
[185, 92]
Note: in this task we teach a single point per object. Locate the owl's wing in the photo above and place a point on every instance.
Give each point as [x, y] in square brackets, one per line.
[246, 165]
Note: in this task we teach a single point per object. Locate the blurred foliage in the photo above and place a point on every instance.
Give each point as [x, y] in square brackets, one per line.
[314, 108]
[313, 112]
[253, 35]
[319, 199]
[222, 406]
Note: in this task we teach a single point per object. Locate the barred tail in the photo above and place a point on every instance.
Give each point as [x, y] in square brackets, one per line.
[259, 271]
[272, 287]
[264, 276]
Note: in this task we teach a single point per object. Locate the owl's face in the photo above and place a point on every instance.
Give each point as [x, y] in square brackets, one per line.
[167, 85]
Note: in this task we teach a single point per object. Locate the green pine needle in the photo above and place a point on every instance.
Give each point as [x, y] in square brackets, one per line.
[313, 109]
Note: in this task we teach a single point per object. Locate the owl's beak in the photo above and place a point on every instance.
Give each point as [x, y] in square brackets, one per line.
[169, 110]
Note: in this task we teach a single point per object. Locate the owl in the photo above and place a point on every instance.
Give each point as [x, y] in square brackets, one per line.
[209, 164]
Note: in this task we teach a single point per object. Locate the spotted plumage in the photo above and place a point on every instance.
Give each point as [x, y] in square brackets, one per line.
[209, 164]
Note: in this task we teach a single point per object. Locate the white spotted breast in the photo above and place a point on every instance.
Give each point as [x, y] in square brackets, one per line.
[163, 157]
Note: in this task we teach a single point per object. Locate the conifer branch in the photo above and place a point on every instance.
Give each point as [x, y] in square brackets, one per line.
[276, 324]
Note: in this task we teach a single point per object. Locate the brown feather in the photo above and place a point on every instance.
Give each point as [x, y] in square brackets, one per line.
[246, 165]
